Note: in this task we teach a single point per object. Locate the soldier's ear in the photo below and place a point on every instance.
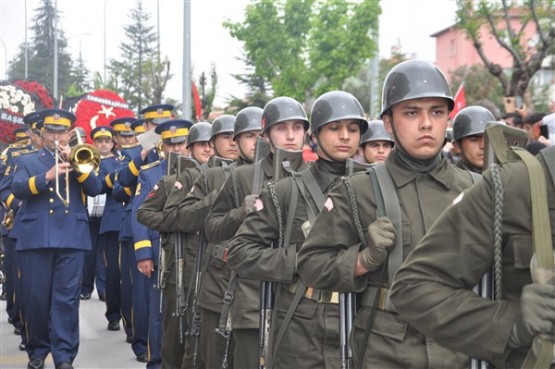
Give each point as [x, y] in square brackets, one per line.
[387, 123]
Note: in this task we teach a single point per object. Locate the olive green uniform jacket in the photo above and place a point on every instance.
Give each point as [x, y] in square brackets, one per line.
[433, 289]
[168, 191]
[328, 258]
[312, 337]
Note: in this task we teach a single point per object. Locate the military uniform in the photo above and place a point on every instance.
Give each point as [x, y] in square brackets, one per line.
[51, 241]
[433, 289]
[151, 215]
[109, 234]
[190, 215]
[311, 339]
[224, 219]
[329, 255]
[134, 311]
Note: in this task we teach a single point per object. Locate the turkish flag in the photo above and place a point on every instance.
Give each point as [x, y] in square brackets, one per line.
[460, 101]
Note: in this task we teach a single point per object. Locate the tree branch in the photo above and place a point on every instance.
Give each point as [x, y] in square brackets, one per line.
[517, 60]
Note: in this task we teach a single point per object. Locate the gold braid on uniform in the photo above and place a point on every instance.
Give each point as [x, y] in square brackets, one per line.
[498, 194]
[273, 195]
[354, 207]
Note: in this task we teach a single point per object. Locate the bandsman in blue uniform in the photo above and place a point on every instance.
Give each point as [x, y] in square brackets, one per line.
[173, 134]
[51, 242]
[134, 157]
[11, 206]
[126, 145]
[109, 224]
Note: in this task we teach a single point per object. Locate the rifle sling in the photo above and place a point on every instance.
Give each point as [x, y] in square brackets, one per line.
[542, 241]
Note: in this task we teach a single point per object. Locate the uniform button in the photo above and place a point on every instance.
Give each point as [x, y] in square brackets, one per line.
[66, 211]
[50, 189]
[51, 211]
[51, 201]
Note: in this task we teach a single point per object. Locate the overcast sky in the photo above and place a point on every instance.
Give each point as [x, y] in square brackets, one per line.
[404, 22]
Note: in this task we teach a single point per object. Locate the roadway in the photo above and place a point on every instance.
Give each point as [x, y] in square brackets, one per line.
[99, 348]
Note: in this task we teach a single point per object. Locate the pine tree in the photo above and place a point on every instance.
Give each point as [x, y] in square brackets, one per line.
[41, 52]
[130, 74]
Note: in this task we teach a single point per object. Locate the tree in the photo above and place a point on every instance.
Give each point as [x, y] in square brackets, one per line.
[527, 54]
[80, 77]
[140, 75]
[258, 89]
[479, 84]
[41, 53]
[304, 48]
[207, 93]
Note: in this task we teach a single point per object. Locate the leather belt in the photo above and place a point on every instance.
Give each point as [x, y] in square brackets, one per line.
[320, 296]
[373, 292]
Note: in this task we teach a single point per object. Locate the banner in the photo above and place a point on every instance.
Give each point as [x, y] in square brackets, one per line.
[460, 101]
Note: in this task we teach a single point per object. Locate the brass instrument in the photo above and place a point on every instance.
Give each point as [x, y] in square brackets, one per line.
[83, 157]
[8, 219]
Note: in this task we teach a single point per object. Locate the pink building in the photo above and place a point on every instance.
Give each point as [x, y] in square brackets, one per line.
[454, 49]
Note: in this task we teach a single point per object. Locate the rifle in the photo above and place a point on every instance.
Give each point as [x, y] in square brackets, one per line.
[498, 138]
[347, 301]
[262, 149]
[284, 161]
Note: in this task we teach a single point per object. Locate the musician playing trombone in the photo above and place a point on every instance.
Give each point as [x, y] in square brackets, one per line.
[53, 240]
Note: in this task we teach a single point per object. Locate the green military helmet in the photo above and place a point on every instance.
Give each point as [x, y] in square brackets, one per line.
[281, 109]
[471, 121]
[199, 132]
[248, 119]
[224, 123]
[376, 132]
[336, 105]
[414, 79]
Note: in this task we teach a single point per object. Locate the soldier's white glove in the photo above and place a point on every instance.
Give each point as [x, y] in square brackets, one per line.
[381, 239]
[248, 203]
[537, 314]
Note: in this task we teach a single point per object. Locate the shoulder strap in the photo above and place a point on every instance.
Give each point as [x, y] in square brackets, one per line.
[393, 212]
[542, 241]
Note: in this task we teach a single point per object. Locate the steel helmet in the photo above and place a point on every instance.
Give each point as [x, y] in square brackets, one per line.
[414, 79]
[224, 123]
[199, 132]
[376, 132]
[281, 109]
[248, 119]
[471, 121]
[336, 105]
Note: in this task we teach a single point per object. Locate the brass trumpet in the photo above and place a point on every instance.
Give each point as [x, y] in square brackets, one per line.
[83, 157]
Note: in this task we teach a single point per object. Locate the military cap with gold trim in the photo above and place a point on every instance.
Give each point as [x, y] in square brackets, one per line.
[123, 126]
[139, 126]
[157, 114]
[102, 132]
[32, 119]
[174, 131]
[20, 133]
[57, 119]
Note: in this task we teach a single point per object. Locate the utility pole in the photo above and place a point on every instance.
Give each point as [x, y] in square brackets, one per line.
[186, 109]
[55, 82]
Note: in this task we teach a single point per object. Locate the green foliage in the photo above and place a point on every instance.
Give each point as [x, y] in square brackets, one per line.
[479, 84]
[304, 48]
[40, 54]
[140, 75]
[492, 19]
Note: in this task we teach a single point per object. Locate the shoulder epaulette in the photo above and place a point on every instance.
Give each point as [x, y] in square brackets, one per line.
[150, 165]
[23, 152]
[130, 146]
[18, 146]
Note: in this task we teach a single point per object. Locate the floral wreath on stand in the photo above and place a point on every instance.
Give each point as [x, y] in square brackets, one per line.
[17, 99]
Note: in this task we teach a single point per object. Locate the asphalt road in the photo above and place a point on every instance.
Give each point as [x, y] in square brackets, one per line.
[99, 348]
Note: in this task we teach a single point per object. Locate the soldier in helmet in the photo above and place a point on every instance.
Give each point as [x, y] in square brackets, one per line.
[376, 143]
[189, 216]
[178, 136]
[284, 124]
[468, 136]
[359, 241]
[337, 121]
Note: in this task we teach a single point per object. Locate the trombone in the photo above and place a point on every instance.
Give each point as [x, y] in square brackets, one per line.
[83, 157]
